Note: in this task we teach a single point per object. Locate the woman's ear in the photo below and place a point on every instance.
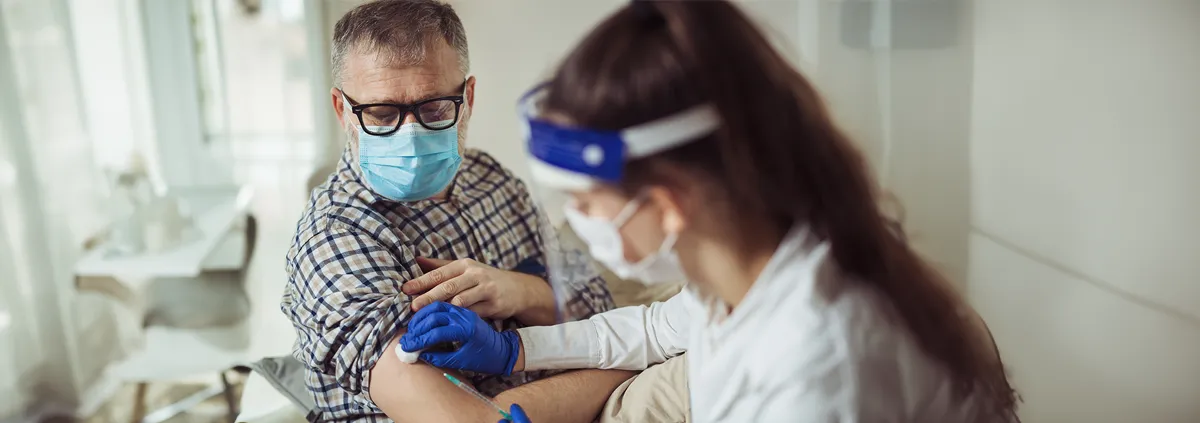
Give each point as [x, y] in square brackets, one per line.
[674, 220]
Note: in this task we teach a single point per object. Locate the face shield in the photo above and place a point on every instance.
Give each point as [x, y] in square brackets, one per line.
[567, 159]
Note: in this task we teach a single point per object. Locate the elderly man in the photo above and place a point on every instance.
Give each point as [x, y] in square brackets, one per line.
[409, 198]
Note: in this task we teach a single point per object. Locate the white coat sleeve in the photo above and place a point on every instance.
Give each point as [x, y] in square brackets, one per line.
[629, 338]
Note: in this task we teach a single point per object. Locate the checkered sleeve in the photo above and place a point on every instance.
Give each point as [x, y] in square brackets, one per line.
[349, 303]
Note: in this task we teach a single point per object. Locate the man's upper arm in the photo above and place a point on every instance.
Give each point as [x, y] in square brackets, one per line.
[419, 393]
[348, 304]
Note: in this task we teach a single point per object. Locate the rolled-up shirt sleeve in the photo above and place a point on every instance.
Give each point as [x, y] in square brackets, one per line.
[346, 303]
[629, 338]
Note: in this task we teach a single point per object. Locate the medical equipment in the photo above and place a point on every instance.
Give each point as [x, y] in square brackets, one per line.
[574, 158]
[480, 348]
[475, 393]
[603, 238]
[412, 161]
[408, 357]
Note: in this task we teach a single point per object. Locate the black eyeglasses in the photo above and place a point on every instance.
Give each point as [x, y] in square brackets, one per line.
[386, 118]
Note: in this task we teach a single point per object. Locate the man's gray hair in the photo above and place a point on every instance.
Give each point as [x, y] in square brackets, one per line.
[401, 31]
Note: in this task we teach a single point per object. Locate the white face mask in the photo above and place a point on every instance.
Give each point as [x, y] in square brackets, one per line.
[604, 239]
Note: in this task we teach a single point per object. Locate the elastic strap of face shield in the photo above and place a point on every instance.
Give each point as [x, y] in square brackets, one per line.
[576, 158]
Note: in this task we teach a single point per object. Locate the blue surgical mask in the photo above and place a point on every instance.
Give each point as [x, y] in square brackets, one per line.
[413, 163]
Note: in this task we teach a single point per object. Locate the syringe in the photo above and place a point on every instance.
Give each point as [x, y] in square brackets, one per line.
[478, 395]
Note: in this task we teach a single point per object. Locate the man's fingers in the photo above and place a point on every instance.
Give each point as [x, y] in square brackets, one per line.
[468, 297]
[484, 309]
[444, 291]
[428, 264]
[434, 277]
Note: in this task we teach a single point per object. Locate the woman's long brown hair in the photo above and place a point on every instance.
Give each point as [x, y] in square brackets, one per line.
[778, 157]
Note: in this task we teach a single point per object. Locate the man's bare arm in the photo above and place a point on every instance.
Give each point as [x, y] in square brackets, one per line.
[419, 393]
[577, 396]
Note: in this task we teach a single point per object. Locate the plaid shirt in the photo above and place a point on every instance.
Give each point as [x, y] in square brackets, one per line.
[353, 249]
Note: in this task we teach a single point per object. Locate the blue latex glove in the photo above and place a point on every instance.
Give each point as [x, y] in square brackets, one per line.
[518, 415]
[482, 349]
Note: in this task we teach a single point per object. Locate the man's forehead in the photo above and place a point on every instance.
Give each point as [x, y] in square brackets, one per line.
[371, 77]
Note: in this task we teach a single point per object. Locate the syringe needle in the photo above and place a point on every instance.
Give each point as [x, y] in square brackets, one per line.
[477, 395]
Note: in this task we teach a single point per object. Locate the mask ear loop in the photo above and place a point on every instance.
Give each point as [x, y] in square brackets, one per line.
[348, 111]
[668, 243]
[664, 251]
[627, 212]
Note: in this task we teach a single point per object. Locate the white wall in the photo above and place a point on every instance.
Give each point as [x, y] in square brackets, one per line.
[514, 45]
[908, 109]
[1084, 193]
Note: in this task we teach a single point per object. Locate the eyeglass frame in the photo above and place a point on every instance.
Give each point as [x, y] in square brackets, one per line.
[406, 109]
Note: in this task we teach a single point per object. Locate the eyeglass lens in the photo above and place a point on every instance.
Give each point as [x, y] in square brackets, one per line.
[434, 115]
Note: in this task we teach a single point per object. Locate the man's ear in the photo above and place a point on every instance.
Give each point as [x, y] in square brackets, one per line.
[336, 98]
[469, 94]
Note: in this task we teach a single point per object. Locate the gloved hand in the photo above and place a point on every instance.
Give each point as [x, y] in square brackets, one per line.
[518, 415]
[482, 349]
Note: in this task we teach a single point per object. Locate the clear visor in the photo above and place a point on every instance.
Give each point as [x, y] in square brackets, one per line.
[566, 159]
[577, 281]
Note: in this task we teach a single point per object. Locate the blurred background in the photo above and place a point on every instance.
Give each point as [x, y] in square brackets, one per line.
[1044, 152]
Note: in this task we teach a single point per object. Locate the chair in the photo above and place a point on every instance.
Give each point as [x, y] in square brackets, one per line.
[193, 326]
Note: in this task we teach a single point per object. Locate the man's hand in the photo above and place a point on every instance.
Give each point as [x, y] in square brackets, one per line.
[481, 349]
[489, 292]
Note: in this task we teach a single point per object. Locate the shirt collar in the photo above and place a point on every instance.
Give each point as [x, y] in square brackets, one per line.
[351, 177]
[796, 257]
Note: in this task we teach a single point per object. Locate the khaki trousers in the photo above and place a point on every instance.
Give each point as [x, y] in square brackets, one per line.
[657, 395]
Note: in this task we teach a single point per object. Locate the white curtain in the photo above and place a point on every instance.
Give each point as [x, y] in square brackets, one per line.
[54, 342]
[26, 275]
[19, 345]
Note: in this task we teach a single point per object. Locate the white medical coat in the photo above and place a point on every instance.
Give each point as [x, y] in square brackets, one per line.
[785, 354]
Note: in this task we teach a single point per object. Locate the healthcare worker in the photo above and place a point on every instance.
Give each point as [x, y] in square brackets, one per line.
[692, 150]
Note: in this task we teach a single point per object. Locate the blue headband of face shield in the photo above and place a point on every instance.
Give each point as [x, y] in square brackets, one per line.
[576, 158]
